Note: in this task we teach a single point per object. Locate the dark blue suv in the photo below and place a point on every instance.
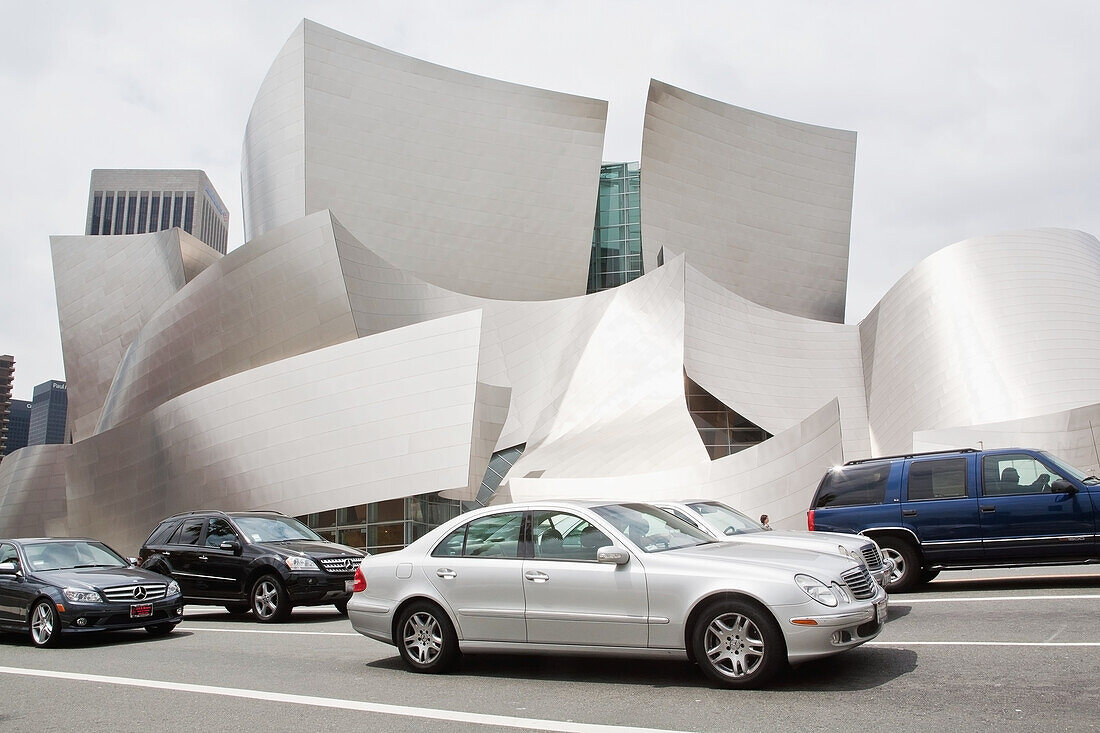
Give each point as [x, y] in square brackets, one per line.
[963, 509]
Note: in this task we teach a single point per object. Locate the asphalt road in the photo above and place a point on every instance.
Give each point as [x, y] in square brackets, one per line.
[1019, 652]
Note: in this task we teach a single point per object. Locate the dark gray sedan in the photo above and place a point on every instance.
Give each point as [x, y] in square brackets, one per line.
[55, 586]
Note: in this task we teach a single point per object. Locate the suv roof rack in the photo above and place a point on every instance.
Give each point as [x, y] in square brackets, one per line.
[224, 513]
[911, 455]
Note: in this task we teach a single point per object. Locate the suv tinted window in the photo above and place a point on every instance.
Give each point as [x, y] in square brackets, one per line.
[852, 485]
[188, 533]
[1015, 473]
[8, 553]
[940, 479]
[219, 531]
[163, 531]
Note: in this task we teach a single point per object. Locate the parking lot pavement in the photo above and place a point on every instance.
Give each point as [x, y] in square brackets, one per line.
[992, 651]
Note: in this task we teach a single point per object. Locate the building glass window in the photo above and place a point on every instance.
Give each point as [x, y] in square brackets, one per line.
[177, 210]
[617, 235]
[154, 212]
[97, 202]
[386, 525]
[143, 212]
[189, 215]
[131, 212]
[166, 213]
[722, 430]
[120, 211]
[108, 207]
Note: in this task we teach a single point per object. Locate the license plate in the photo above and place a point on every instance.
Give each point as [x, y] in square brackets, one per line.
[141, 610]
[349, 586]
[880, 611]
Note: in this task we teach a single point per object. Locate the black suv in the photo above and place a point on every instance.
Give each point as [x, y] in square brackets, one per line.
[264, 562]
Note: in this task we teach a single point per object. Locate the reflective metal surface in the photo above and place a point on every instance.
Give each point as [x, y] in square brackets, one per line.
[475, 184]
[763, 205]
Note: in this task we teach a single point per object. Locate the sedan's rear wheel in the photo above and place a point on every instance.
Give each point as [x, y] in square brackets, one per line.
[426, 639]
[738, 644]
[270, 602]
[45, 625]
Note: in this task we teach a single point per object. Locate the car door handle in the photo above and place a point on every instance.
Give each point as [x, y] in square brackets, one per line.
[989, 509]
[203, 557]
[536, 576]
[446, 573]
[908, 512]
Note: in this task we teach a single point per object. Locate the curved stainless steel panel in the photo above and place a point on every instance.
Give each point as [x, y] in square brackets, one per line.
[761, 204]
[477, 185]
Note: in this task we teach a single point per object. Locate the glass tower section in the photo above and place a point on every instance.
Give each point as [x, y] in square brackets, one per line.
[617, 234]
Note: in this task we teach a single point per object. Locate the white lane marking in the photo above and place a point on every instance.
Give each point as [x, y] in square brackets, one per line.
[271, 631]
[455, 716]
[985, 599]
[987, 643]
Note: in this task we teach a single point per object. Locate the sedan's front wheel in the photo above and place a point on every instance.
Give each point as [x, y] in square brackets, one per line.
[426, 639]
[45, 625]
[738, 645]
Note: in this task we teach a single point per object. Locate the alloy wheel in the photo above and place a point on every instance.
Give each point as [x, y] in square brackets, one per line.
[423, 638]
[265, 599]
[734, 645]
[42, 624]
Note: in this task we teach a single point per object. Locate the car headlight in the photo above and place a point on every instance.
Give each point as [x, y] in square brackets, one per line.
[301, 563]
[173, 588]
[815, 589]
[79, 595]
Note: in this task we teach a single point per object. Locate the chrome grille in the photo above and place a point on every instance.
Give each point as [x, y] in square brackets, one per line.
[872, 557]
[340, 565]
[138, 592]
[859, 581]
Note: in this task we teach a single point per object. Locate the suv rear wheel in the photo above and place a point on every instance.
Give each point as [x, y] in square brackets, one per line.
[270, 602]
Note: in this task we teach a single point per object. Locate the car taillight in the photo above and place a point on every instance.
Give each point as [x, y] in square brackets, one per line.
[360, 583]
[810, 520]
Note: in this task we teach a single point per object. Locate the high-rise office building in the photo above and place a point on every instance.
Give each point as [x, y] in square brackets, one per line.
[617, 234]
[7, 373]
[19, 425]
[48, 409]
[139, 201]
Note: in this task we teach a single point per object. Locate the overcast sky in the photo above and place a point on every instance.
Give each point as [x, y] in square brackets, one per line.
[972, 117]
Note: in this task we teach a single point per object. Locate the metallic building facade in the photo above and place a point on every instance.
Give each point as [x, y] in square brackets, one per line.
[371, 345]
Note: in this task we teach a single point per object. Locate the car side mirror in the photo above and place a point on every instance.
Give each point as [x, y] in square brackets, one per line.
[613, 555]
[1061, 486]
[9, 568]
[136, 562]
[231, 545]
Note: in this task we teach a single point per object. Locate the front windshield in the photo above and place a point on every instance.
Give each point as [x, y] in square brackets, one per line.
[67, 554]
[650, 528]
[275, 529]
[725, 520]
[1070, 470]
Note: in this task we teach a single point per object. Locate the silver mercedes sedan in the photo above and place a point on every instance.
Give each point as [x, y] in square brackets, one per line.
[723, 522]
[627, 579]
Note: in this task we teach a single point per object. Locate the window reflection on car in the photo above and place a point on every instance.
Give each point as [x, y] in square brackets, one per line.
[66, 555]
[652, 529]
[276, 529]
